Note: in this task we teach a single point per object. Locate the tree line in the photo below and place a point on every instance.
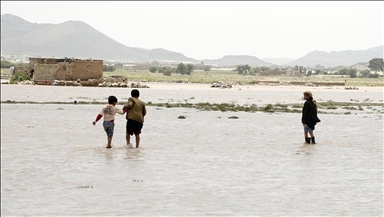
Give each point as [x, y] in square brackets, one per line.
[376, 64]
[7, 64]
[107, 68]
[184, 69]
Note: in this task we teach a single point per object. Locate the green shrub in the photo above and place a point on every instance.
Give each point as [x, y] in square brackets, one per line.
[268, 107]
[19, 77]
[153, 69]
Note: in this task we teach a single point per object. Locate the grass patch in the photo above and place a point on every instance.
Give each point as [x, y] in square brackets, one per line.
[349, 108]
[268, 108]
[229, 76]
[199, 76]
[225, 107]
[331, 107]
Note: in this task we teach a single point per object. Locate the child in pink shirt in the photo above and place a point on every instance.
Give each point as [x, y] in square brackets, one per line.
[109, 112]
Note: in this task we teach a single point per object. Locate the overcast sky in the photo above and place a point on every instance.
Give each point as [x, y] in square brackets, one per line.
[210, 30]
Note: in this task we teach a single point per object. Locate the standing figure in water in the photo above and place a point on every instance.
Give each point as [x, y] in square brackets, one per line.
[135, 117]
[309, 117]
[109, 111]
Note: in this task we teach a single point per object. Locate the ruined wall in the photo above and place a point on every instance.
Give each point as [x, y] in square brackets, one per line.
[49, 69]
[33, 61]
[50, 72]
[63, 71]
[21, 70]
[87, 69]
[45, 72]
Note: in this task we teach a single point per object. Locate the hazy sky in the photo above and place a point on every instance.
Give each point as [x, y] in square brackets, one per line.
[210, 30]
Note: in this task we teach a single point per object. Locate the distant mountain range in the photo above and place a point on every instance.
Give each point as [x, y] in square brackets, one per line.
[71, 39]
[278, 61]
[78, 39]
[340, 58]
[233, 60]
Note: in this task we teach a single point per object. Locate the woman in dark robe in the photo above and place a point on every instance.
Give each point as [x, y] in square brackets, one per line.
[309, 117]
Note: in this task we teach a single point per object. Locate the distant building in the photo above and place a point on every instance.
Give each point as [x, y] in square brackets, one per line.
[118, 65]
[142, 66]
[50, 69]
[292, 72]
[280, 72]
[130, 66]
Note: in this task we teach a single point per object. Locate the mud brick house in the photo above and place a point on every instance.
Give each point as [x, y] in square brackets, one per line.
[50, 69]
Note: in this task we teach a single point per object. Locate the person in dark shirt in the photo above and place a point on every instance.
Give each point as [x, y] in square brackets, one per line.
[309, 117]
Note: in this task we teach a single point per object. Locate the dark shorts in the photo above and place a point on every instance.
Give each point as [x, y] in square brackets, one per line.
[134, 127]
[109, 127]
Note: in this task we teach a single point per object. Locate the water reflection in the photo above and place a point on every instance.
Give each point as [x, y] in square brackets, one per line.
[134, 154]
[202, 165]
[108, 154]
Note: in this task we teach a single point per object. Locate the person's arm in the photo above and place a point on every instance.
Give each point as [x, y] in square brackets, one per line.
[144, 111]
[129, 104]
[97, 119]
[304, 117]
[118, 111]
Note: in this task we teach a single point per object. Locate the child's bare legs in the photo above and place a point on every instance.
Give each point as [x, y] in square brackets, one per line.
[109, 142]
[128, 138]
[137, 137]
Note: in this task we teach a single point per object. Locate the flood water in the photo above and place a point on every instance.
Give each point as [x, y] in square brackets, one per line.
[54, 161]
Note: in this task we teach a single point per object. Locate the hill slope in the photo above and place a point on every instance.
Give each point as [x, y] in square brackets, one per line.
[340, 58]
[80, 40]
[71, 39]
[233, 60]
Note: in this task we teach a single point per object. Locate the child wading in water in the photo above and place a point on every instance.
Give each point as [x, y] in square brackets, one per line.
[109, 112]
[309, 117]
[135, 117]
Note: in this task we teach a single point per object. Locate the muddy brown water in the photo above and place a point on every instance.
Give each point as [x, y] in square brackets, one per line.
[54, 161]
